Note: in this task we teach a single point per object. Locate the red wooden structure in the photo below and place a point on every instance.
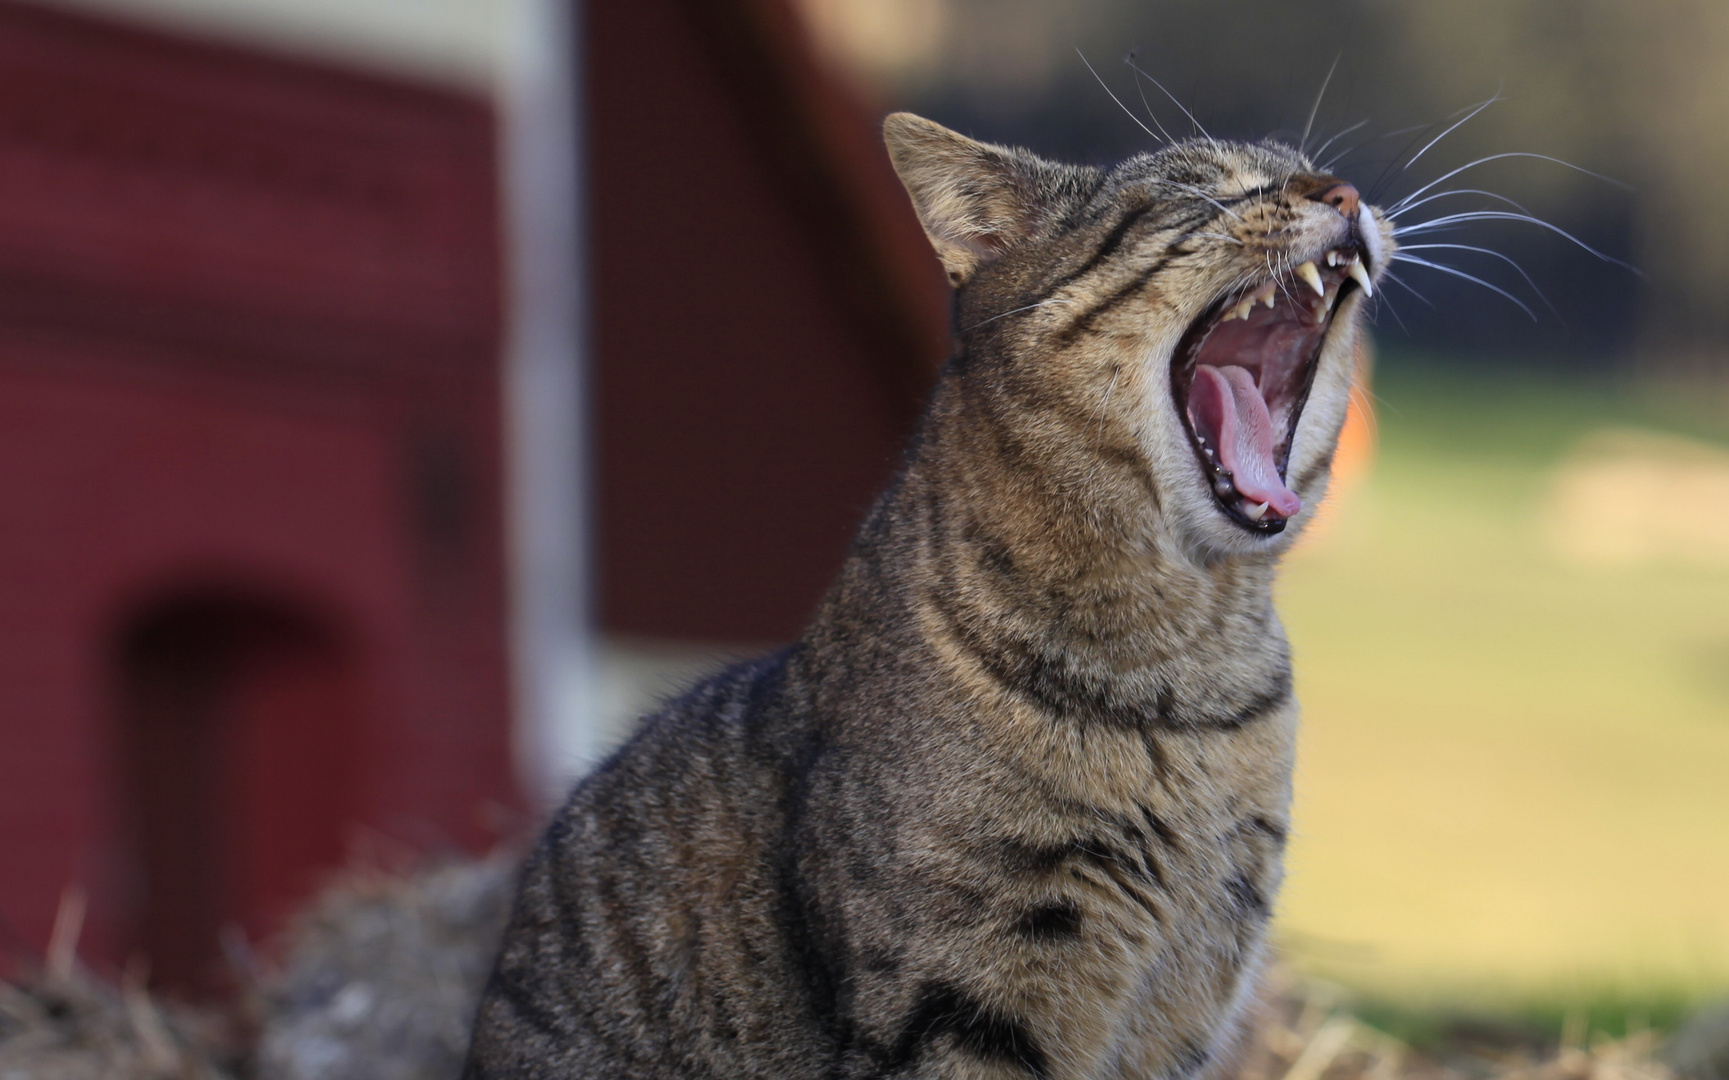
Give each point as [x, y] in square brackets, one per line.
[768, 316]
[251, 549]
[250, 539]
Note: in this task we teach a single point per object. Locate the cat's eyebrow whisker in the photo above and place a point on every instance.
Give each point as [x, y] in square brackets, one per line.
[1014, 311]
[1400, 256]
[1129, 112]
[1147, 105]
[1431, 185]
[1394, 215]
[1219, 236]
[1495, 254]
[1130, 60]
[1503, 215]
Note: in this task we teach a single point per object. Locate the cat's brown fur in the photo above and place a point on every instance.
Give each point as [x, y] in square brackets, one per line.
[1015, 804]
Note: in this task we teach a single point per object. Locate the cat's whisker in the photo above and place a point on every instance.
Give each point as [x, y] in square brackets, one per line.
[1455, 127]
[1394, 215]
[1331, 163]
[1126, 110]
[1400, 256]
[1393, 170]
[1366, 406]
[1493, 254]
[1403, 284]
[1450, 220]
[1316, 107]
[1219, 236]
[1336, 136]
[1431, 185]
[1014, 311]
[1279, 278]
[1382, 298]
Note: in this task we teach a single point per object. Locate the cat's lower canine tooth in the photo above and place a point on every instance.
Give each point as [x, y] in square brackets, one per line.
[1360, 276]
[1311, 275]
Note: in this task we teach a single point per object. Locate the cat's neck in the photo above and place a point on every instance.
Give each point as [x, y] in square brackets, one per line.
[1048, 559]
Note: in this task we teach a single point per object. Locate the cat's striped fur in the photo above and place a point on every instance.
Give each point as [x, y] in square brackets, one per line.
[1015, 804]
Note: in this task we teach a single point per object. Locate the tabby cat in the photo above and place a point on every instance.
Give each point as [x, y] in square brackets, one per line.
[1015, 803]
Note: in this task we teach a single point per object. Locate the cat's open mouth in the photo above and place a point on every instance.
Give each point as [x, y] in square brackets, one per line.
[1242, 373]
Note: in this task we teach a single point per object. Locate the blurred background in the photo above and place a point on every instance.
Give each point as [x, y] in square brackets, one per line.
[399, 396]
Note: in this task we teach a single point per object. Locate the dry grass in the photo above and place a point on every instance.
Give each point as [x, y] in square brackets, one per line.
[1309, 1034]
[61, 1022]
[380, 976]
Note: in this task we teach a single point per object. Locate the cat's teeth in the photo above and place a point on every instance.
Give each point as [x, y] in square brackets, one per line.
[1311, 275]
[1255, 512]
[1241, 311]
[1333, 257]
[1264, 294]
[1360, 276]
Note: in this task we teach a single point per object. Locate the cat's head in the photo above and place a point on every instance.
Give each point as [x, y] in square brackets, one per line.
[1199, 303]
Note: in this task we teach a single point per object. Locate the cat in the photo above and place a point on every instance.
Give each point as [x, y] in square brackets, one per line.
[1015, 804]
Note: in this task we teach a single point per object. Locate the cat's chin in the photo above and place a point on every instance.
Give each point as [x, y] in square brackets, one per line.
[1241, 376]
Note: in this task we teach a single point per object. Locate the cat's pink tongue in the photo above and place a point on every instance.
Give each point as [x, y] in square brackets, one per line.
[1225, 405]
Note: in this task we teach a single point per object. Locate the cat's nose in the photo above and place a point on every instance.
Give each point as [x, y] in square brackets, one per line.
[1342, 197]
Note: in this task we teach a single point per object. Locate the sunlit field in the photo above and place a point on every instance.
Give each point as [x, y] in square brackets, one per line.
[1512, 649]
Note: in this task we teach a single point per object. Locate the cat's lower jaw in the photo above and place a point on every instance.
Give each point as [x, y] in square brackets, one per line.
[1242, 374]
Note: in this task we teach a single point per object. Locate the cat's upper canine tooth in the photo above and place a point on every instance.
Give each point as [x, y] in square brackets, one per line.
[1360, 276]
[1311, 275]
[1255, 511]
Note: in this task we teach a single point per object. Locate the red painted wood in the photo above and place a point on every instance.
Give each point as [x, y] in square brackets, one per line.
[767, 315]
[240, 723]
[249, 326]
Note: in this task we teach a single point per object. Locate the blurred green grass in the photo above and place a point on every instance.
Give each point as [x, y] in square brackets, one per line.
[1513, 788]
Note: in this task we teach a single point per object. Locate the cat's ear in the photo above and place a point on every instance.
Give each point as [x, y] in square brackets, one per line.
[974, 199]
